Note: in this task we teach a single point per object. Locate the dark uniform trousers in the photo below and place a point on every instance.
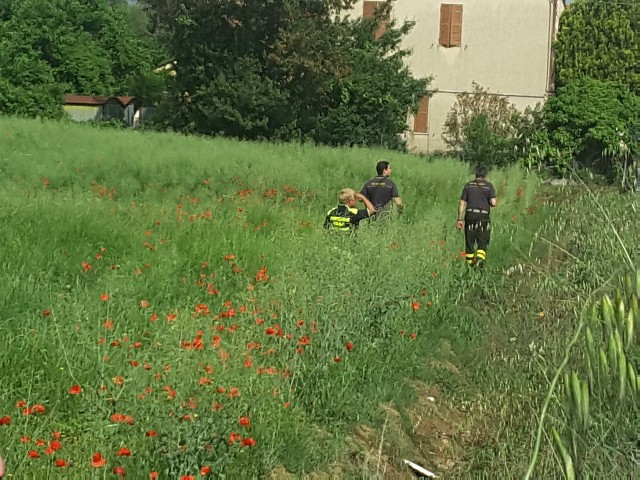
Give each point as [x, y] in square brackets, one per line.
[477, 233]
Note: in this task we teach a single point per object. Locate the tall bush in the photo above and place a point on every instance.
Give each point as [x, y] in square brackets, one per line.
[600, 40]
[482, 127]
[588, 124]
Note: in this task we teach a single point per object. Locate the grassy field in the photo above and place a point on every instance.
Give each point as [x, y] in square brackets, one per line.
[172, 305]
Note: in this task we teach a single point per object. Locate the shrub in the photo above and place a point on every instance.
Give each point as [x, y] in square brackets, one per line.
[588, 125]
[482, 127]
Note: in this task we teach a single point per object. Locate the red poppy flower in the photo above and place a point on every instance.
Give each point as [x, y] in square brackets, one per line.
[60, 463]
[75, 390]
[244, 421]
[119, 471]
[97, 460]
[248, 442]
[6, 420]
[46, 312]
[337, 359]
[123, 452]
[349, 346]
[153, 475]
[121, 418]
[33, 454]
[55, 445]
[25, 439]
[415, 306]
[206, 470]
[151, 433]
[104, 297]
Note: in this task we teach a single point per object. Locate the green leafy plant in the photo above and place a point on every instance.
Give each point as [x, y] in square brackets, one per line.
[589, 123]
[482, 127]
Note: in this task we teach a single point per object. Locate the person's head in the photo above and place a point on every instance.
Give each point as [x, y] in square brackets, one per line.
[347, 196]
[482, 172]
[383, 168]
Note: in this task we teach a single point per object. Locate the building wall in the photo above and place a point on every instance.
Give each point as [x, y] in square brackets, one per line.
[84, 113]
[505, 47]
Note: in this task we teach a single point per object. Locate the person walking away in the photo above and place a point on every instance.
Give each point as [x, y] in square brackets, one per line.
[346, 217]
[474, 210]
[381, 190]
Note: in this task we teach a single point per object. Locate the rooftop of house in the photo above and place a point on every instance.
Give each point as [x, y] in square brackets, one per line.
[98, 100]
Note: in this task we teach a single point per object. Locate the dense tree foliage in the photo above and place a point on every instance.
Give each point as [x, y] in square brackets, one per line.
[589, 123]
[369, 104]
[52, 47]
[284, 69]
[601, 40]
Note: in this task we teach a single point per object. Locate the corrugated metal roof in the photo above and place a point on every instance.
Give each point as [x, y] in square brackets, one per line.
[97, 100]
[85, 100]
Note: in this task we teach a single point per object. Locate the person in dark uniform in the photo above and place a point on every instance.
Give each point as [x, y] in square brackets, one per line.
[381, 190]
[346, 217]
[474, 209]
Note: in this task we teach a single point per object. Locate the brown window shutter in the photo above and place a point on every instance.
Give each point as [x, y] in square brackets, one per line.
[421, 120]
[445, 25]
[381, 29]
[369, 9]
[456, 26]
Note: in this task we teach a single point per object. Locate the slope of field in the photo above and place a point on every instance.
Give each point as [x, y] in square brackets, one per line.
[172, 305]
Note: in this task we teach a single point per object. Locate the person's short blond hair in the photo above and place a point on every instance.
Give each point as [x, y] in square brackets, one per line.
[346, 194]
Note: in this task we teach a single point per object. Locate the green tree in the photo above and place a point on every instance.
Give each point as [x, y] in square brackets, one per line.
[285, 69]
[66, 46]
[591, 122]
[247, 69]
[601, 40]
[369, 103]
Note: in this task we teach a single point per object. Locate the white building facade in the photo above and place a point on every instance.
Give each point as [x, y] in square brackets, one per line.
[505, 46]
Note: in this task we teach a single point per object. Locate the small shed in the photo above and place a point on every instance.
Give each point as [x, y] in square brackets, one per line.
[84, 108]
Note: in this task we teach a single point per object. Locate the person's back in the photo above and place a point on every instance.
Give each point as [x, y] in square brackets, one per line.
[381, 190]
[478, 193]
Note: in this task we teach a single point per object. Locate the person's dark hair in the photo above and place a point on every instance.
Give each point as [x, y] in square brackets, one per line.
[481, 172]
[381, 166]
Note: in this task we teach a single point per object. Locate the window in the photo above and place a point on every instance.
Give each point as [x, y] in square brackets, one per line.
[450, 25]
[421, 120]
[369, 12]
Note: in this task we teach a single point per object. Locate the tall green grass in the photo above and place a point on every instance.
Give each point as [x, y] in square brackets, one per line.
[216, 241]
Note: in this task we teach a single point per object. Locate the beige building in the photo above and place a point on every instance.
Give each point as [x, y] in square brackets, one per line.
[502, 45]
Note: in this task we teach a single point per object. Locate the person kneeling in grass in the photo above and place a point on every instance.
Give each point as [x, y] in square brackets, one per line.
[346, 217]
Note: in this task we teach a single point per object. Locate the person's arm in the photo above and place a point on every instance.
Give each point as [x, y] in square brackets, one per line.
[366, 202]
[492, 197]
[462, 206]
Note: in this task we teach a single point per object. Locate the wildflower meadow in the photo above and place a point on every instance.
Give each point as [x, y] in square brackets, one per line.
[170, 307]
